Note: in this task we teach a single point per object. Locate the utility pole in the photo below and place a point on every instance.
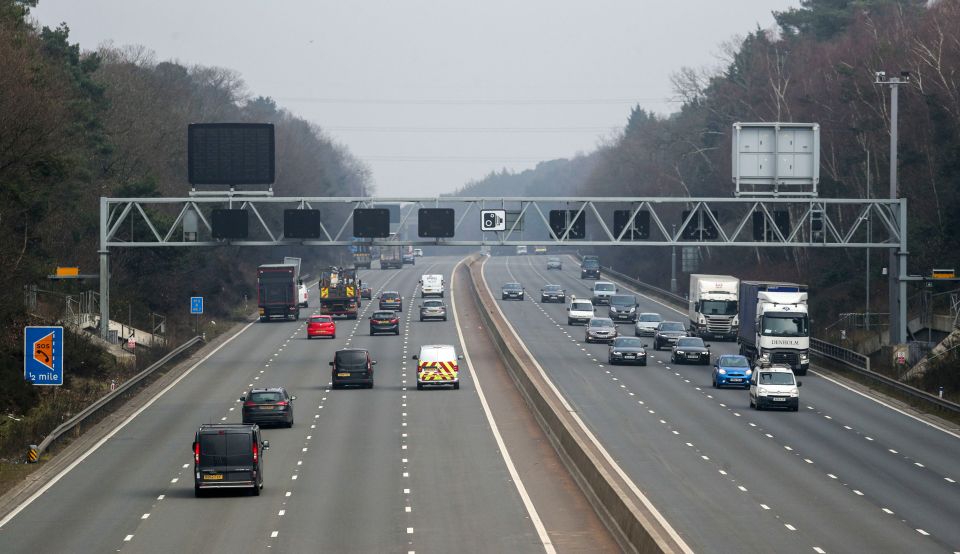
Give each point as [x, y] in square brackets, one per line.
[673, 259]
[866, 314]
[897, 261]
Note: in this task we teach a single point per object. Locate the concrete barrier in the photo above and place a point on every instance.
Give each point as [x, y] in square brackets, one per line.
[623, 509]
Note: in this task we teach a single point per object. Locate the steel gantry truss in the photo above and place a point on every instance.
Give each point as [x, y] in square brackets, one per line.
[809, 223]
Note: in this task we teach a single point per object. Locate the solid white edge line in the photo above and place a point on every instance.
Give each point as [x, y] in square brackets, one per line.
[527, 502]
[834, 381]
[882, 403]
[116, 430]
[583, 426]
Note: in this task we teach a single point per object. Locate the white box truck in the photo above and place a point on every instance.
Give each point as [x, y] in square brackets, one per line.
[714, 306]
[774, 324]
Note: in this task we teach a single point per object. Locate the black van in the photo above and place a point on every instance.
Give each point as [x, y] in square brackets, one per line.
[352, 366]
[228, 455]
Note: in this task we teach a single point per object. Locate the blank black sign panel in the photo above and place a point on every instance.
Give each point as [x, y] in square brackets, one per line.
[560, 219]
[435, 222]
[230, 153]
[301, 224]
[229, 224]
[371, 223]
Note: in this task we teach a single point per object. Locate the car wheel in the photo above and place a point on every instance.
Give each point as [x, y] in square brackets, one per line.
[256, 489]
[333, 336]
[644, 363]
[197, 491]
[752, 404]
[370, 385]
[421, 318]
[456, 386]
[290, 424]
[419, 386]
[714, 383]
[397, 332]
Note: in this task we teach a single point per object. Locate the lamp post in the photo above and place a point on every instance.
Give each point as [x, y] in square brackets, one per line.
[673, 259]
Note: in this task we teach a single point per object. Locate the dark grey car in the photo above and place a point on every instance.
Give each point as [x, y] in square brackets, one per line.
[512, 291]
[667, 333]
[690, 350]
[627, 350]
[268, 406]
[553, 293]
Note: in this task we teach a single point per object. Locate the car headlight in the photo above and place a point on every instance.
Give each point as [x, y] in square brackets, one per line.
[748, 373]
[679, 351]
[804, 358]
[722, 371]
[794, 393]
[633, 309]
[702, 321]
[618, 353]
[762, 391]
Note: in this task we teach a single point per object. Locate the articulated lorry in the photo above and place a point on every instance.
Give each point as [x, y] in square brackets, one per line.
[339, 292]
[391, 257]
[361, 256]
[774, 325]
[277, 291]
[714, 306]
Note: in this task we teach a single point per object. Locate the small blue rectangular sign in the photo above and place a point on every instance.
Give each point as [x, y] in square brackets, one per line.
[196, 304]
[43, 355]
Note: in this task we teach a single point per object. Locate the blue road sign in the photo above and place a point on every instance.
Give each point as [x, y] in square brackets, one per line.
[43, 355]
[196, 305]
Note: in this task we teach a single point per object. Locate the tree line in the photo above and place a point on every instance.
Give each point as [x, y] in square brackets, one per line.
[77, 125]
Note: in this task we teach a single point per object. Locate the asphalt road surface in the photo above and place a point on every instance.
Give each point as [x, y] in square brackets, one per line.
[391, 469]
[844, 474]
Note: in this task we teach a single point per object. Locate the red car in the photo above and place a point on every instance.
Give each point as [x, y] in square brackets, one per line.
[321, 326]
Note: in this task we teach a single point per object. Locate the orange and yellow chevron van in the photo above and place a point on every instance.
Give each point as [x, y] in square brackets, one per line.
[438, 365]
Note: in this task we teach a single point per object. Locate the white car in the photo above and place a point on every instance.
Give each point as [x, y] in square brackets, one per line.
[418, 252]
[304, 296]
[580, 311]
[646, 325]
[774, 386]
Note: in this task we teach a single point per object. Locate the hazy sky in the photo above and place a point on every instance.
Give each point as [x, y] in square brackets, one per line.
[434, 93]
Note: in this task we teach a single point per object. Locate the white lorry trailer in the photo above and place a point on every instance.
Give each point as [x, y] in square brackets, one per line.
[774, 324]
[714, 306]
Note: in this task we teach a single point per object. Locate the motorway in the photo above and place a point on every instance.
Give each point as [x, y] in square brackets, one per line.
[390, 469]
[845, 474]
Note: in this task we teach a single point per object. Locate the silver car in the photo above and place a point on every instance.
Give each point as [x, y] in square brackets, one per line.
[554, 262]
[647, 323]
[600, 329]
[433, 309]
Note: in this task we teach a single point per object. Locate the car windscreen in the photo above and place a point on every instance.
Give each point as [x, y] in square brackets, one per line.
[671, 326]
[776, 378]
[390, 295]
[734, 361]
[581, 307]
[352, 358]
[628, 342]
[433, 304]
[623, 300]
[692, 342]
[225, 449]
[553, 260]
[718, 307]
[785, 325]
[654, 318]
[601, 322]
[383, 315]
[591, 264]
[552, 288]
[512, 286]
[604, 287]
[321, 319]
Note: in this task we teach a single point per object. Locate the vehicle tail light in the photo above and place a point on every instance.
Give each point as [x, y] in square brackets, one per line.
[419, 369]
[256, 451]
[249, 403]
[282, 403]
[394, 320]
[196, 452]
[456, 367]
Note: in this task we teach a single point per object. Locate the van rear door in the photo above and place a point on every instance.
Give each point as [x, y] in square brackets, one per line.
[226, 458]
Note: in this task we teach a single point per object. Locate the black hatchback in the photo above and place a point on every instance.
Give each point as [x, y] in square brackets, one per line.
[268, 406]
[352, 366]
[384, 321]
[228, 456]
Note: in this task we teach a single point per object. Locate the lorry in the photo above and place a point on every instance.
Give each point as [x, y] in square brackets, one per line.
[391, 257]
[339, 292]
[277, 291]
[361, 256]
[774, 324]
[302, 294]
[521, 250]
[713, 306]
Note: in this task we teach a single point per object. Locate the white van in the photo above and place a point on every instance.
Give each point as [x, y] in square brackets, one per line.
[774, 386]
[521, 251]
[431, 285]
[438, 364]
[580, 311]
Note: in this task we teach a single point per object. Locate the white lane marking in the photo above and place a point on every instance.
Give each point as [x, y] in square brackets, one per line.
[765, 507]
[832, 476]
[527, 502]
[185, 466]
[281, 512]
[787, 448]
[288, 493]
[274, 534]
[819, 550]
[918, 464]
[174, 480]
[408, 509]
[808, 460]
[144, 516]
[892, 451]
[742, 488]
[949, 480]
[790, 527]
[882, 403]
[868, 438]
[406, 491]
[922, 532]
[161, 497]
[128, 538]
[409, 530]
[888, 511]
[858, 493]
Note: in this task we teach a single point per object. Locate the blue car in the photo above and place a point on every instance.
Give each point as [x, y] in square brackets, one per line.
[731, 370]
